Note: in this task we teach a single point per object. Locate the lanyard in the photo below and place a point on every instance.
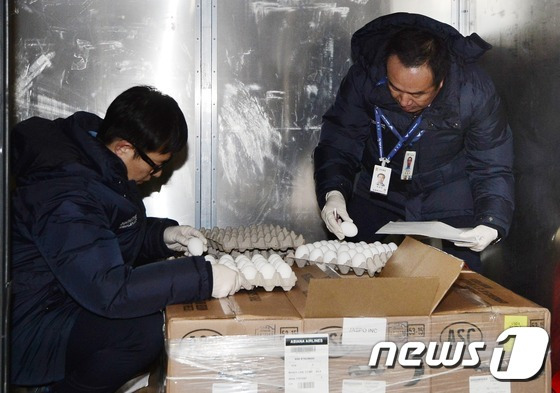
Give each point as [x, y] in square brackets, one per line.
[379, 116]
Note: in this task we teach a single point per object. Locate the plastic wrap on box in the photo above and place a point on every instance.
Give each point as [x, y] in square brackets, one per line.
[228, 364]
[235, 364]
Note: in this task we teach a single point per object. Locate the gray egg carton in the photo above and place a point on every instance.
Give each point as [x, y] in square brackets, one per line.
[371, 261]
[279, 273]
[254, 237]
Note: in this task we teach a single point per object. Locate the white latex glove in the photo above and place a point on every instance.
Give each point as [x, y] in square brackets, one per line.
[334, 212]
[176, 238]
[484, 236]
[226, 281]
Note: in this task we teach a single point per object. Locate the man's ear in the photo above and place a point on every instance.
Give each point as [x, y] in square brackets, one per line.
[122, 148]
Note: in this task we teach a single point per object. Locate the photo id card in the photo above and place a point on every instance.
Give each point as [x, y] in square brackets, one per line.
[380, 180]
[408, 165]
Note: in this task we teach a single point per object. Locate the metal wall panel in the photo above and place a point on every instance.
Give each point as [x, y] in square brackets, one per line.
[5, 211]
[525, 65]
[279, 67]
[79, 55]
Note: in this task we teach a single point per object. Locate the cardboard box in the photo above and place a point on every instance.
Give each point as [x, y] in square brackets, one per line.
[449, 304]
[478, 309]
[422, 295]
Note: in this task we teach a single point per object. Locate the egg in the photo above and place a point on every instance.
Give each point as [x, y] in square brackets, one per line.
[276, 263]
[230, 265]
[284, 270]
[267, 271]
[225, 257]
[275, 258]
[302, 252]
[392, 246]
[316, 255]
[258, 257]
[195, 246]
[358, 260]
[249, 271]
[240, 258]
[349, 229]
[343, 258]
[343, 247]
[367, 253]
[380, 249]
[244, 262]
[329, 257]
[259, 263]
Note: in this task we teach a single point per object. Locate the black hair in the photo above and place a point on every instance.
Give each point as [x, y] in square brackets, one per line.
[415, 47]
[148, 119]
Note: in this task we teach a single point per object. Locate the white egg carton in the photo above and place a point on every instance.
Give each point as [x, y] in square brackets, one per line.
[254, 237]
[344, 256]
[259, 271]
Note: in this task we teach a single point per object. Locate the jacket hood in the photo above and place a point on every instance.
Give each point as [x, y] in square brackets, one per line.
[41, 146]
[368, 43]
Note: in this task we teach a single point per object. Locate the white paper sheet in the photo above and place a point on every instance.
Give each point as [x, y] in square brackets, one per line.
[433, 229]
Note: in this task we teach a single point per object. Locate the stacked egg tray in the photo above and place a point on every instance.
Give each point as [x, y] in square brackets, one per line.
[344, 256]
[268, 270]
[254, 237]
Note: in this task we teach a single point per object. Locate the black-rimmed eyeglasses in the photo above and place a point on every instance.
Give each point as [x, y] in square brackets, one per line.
[155, 168]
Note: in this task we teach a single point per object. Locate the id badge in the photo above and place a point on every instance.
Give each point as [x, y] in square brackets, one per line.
[380, 180]
[408, 165]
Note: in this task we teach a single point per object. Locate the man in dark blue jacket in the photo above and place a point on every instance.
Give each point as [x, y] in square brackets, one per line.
[86, 293]
[415, 95]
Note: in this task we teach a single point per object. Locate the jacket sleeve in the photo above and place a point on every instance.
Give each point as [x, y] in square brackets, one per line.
[153, 246]
[345, 129]
[489, 148]
[74, 238]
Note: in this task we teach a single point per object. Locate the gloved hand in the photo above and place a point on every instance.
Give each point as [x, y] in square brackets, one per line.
[334, 212]
[176, 238]
[483, 235]
[226, 281]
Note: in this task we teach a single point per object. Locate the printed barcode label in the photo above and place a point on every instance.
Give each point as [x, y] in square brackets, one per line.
[302, 349]
[306, 363]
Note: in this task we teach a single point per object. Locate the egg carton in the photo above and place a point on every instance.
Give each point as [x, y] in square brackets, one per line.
[344, 256]
[254, 237]
[258, 270]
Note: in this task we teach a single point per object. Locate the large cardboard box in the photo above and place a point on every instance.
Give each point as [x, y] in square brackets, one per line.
[422, 295]
[448, 305]
[478, 309]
